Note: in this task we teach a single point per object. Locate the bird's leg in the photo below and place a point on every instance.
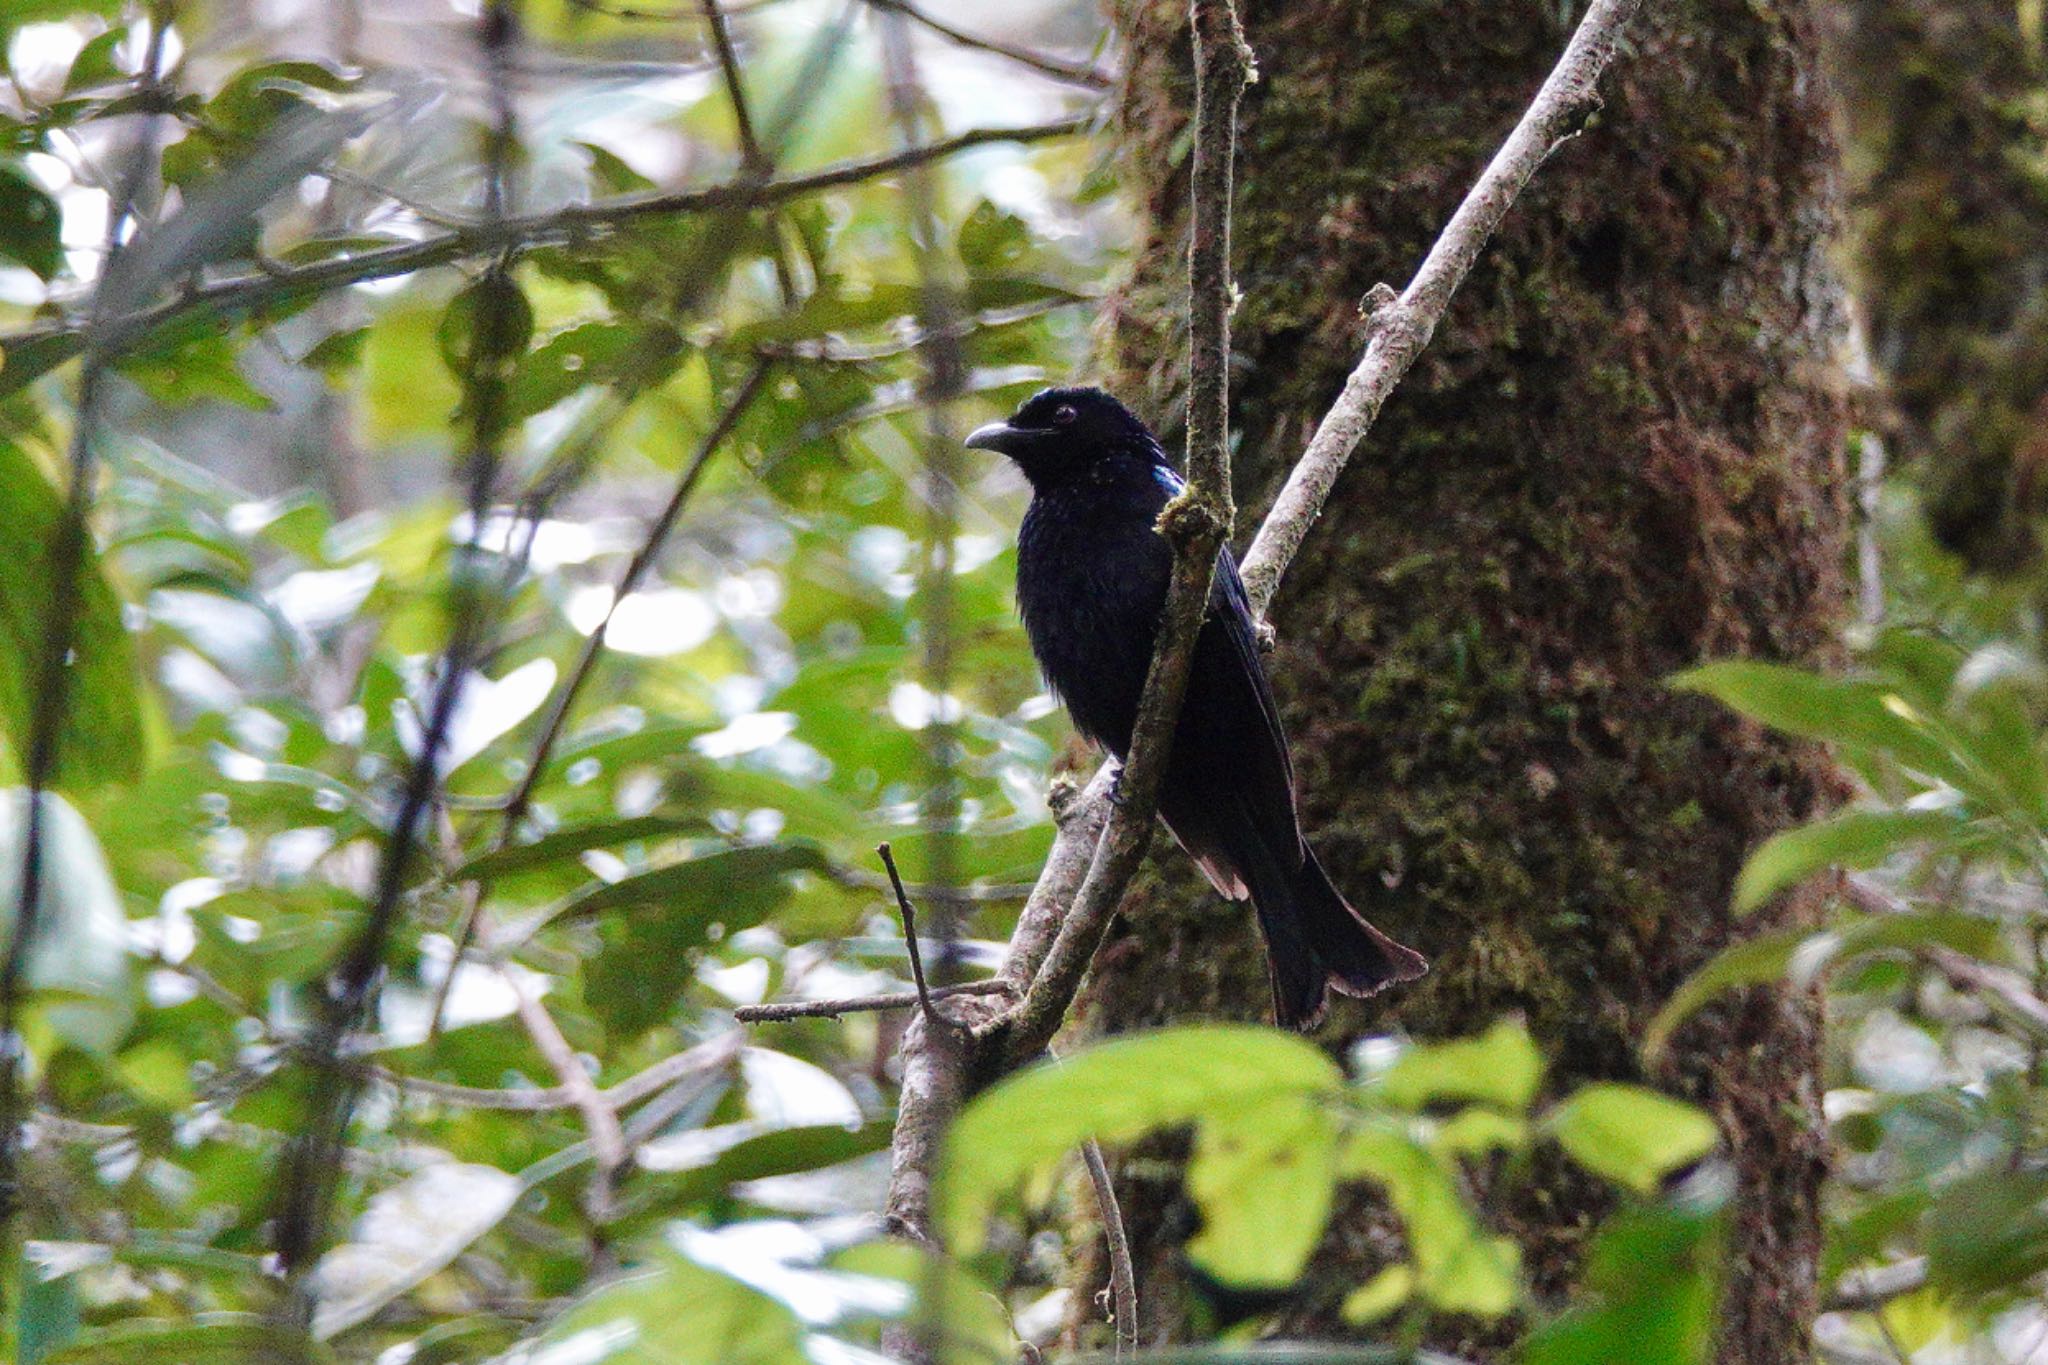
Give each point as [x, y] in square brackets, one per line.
[1115, 794]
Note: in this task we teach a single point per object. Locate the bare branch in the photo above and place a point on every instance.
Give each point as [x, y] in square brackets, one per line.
[924, 994]
[1073, 73]
[1401, 329]
[1123, 1278]
[600, 1120]
[36, 349]
[781, 1010]
[1095, 849]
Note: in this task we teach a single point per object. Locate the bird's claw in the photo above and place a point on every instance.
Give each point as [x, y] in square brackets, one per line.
[1115, 794]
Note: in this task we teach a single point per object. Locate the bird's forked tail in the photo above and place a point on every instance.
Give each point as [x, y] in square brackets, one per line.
[1316, 942]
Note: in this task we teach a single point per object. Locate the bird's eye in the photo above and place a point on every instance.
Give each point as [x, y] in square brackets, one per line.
[1064, 414]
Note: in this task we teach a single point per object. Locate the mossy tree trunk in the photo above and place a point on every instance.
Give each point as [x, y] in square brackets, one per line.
[1949, 254]
[1621, 456]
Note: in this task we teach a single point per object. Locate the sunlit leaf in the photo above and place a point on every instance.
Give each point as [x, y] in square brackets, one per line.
[1500, 1067]
[1858, 839]
[1459, 1267]
[1114, 1092]
[1632, 1135]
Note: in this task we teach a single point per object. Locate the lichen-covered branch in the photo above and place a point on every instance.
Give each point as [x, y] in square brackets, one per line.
[1399, 329]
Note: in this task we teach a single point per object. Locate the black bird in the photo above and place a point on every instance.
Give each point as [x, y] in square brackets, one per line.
[1092, 576]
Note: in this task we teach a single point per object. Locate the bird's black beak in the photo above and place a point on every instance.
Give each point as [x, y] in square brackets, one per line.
[1002, 438]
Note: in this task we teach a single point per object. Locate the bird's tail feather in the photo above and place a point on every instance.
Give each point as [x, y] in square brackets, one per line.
[1316, 942]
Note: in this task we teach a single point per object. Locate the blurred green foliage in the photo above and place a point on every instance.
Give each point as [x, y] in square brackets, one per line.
[276, 519]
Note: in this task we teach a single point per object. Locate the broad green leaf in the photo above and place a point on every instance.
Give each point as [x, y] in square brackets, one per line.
[1459, 1268]
[1113, 1093]
[80, 953]
[649, 955]
[30, 224]
[409, 1232]
[1499, 1067]
[102, 738]
[1263, 1177]
[1651, 1287]
[1832, 709]
[1987, 1232]
[1858, 839]
[1630, 1134]
[1802, 956]
[672, 1311]
[563, 844]
[787, 1151]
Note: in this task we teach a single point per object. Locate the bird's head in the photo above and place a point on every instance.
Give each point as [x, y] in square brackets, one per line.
[1059, 433]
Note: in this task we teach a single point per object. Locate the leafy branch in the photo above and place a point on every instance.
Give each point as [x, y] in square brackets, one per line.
[35, 350]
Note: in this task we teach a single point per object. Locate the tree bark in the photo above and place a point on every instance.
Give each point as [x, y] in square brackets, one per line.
[1622, 455]
[1948, 238]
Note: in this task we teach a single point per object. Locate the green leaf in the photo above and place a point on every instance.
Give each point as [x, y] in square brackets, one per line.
[30, 224]
[648, 958]
[213, 1339]
[1500, 1067]
[1858, 839]
[787, 1151]
[1987, 1231]
[1832, 709]
[1115, 1092]
[409, 1232]
[729, 884]
[80, 952]
[1458, 1267]
[1803, 956]
[1263, 1177]
[1378, 1296]
[1651, 1287]
[1632, 1135]
[102, 739]
[564, 844]
[672, 1311]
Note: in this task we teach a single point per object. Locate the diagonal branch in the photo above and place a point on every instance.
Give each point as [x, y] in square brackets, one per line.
[1073, 73]
[1196, 523]
[1401, 327]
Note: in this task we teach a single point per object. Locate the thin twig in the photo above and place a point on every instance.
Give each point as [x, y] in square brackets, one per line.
[780, 1010]
[1399, 330]
[41, 347]
[924, 994]
[1123, 1279]
[1073, 73]
[600, 1120]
